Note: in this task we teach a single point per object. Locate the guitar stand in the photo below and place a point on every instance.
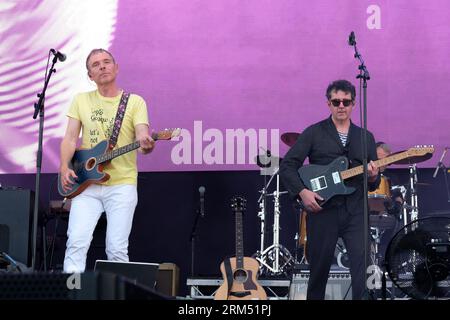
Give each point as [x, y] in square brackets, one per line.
[276, 258]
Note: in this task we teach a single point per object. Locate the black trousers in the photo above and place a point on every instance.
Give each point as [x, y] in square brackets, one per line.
[323, 229]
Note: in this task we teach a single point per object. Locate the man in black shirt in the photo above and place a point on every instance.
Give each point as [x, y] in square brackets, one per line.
[341, 216]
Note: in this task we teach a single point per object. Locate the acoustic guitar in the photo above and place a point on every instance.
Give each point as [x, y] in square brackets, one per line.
[88, 164]
[240, 273]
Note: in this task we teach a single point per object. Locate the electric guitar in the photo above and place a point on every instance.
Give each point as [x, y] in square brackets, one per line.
[240, 274]
[328, 181]
[88, 164]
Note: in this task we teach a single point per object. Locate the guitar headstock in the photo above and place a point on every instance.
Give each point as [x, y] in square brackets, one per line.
[238, 204]
[166, 134]
[420, 150]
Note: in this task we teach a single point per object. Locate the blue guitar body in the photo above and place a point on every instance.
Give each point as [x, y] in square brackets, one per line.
[86, 164]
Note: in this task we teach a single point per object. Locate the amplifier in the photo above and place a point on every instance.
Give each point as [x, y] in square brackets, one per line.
[16, 215]
[168, 279]
[338, 285]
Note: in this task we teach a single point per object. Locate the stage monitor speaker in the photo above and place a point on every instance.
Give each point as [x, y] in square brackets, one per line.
[168, 279]
[16, 214]
[338, 285]
[64, 286]
[142, 273]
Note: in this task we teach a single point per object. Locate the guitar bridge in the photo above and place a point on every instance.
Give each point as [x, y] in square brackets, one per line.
[318, 183]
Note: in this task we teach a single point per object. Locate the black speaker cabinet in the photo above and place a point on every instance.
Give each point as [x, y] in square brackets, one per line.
[64, 286]
[16, 213]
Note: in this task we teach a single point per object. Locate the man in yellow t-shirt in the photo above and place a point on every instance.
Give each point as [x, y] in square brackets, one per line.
[93, 113]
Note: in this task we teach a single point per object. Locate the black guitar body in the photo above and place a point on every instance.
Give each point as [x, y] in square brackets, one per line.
[326, 180]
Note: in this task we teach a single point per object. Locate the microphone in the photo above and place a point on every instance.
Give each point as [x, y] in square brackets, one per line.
[351, 39]
[439, 163]
[201, 190]
[61, 56]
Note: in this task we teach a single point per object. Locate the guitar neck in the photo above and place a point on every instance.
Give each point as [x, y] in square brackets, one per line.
[349, 173]
[108, 156]
[239, 241]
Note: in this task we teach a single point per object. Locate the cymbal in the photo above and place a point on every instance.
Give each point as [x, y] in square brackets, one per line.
[412, 160]
[290, 138]
[264, 161]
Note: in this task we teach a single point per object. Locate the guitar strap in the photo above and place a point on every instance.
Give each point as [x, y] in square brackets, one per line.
[119, 118]
[229, 273]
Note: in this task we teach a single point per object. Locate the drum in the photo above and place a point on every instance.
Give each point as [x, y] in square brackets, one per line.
[382, 221]
[378, 197]
[398, 191]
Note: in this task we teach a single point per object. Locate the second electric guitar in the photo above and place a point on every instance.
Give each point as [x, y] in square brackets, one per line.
[328, 181]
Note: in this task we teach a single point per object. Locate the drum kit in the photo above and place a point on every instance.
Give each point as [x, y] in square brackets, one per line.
[389, 205]
[276, 259]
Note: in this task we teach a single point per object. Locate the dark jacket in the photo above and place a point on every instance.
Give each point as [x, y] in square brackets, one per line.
[321, 144]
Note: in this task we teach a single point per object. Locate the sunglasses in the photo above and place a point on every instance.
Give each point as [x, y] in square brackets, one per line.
[345, 102]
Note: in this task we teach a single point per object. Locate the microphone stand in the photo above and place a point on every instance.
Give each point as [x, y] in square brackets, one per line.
[192, 240]
[446, 172]
[39, 109]
[363, 77]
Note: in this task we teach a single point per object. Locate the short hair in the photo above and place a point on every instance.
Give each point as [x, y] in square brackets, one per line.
[384, 146]
[95, 51]
[341, 85]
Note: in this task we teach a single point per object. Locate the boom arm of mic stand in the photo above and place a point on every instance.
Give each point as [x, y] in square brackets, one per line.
[268, 184]
[39, 106]
[362, 66]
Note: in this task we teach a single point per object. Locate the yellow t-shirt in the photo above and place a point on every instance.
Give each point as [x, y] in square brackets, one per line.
[97, 114]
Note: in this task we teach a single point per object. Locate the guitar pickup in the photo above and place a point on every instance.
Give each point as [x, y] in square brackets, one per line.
[336, 177]
[318, 183]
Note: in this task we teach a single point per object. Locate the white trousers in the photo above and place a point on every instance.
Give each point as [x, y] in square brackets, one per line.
[119, 203]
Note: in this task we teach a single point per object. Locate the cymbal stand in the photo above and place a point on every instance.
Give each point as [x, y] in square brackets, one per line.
[414, 200]
[275, 258]
[262, 217]
[262, 213]
[376, 237]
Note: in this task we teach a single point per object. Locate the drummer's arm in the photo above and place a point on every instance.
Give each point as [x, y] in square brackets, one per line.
[374, 182]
